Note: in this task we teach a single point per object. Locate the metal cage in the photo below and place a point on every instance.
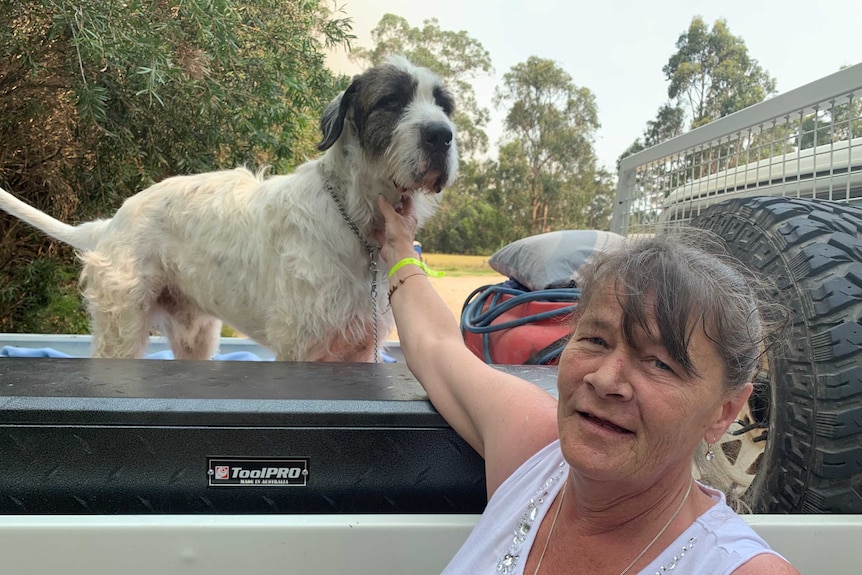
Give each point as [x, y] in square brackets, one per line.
[805, 143]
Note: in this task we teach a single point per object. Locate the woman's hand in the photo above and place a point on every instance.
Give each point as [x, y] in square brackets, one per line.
[396, 238]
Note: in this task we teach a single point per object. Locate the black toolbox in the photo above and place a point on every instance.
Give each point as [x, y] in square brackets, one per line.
[97, 436]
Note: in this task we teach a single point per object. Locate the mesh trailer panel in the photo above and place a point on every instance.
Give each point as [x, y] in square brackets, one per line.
[806, 143]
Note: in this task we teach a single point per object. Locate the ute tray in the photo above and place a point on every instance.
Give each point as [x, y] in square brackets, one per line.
[99, 436]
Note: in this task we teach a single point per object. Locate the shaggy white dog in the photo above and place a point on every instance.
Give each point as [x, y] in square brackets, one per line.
[290, 260]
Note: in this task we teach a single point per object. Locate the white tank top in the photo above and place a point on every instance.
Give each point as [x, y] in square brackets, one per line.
[717, 543]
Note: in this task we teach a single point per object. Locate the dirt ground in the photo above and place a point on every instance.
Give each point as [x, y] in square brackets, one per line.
[454, 291]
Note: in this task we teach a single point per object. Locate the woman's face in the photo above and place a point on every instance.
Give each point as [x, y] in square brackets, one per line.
[629, 411]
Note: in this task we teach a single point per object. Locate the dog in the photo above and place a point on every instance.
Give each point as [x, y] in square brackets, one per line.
[288, 260]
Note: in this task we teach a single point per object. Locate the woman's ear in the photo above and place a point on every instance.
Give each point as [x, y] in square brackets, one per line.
[729, 410]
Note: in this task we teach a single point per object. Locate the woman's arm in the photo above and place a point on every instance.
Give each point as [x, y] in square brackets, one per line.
[504, 418]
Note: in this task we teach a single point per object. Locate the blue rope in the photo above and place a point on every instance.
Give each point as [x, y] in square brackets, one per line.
[476, 321]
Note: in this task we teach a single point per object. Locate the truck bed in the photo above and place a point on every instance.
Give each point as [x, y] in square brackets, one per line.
[106, 469]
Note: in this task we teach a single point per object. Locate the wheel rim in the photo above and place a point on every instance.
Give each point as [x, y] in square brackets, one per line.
[742, 448]
[741, 451]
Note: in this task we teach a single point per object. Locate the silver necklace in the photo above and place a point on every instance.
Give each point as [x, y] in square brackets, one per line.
[663, 529]
[641, 554]
[372, 258]
[551, 530]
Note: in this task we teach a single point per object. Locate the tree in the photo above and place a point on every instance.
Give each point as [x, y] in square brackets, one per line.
[841, 120]
[600, 208]
[454, 56]
[468, 222]
[712, 75]
[548, 175]
[669, 123]
[99, 99]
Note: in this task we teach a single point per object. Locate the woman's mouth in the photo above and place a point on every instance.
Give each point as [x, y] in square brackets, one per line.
[604, 423]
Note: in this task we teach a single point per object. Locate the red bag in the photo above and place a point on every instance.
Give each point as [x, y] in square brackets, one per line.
[507, 326]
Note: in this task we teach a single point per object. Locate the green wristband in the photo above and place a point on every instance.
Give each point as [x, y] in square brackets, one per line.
[415, 262]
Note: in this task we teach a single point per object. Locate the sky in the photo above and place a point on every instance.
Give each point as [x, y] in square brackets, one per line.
[617, 48]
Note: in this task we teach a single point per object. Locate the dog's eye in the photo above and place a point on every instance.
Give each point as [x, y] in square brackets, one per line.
[444, 100]
[391, 104]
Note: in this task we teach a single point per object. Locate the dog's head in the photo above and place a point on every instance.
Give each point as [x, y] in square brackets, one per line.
[401, 117]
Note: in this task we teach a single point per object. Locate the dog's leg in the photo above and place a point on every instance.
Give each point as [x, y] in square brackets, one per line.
[195, 337]
[192, 333]
[116, 298]
[117, 335]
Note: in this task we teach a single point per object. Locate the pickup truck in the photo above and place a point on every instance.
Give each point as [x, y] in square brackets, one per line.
[148, 466]
[142, 466]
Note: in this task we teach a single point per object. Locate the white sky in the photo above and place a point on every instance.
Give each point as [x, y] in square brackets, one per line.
[617, 48]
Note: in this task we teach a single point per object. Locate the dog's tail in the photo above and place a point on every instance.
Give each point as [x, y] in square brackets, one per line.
[83, 237]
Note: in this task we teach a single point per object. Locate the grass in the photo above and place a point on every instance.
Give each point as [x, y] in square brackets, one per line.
[458, 265]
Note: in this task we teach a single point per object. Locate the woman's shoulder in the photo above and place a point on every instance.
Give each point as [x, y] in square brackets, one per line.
[727, 528]
[547, 462]
[733, 543]
[766, 564]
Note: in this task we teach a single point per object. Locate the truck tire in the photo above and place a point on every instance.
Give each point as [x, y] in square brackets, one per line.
[804, 453]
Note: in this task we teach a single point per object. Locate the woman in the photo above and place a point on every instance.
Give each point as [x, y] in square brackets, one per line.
[600, 481]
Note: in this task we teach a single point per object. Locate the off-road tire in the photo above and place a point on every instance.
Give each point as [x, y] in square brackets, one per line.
[812, 250]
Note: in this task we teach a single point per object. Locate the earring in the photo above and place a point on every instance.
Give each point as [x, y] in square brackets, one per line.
[710, 454]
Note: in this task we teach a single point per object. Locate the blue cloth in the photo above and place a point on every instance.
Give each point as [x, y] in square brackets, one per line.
[13, 351]
[10, 351]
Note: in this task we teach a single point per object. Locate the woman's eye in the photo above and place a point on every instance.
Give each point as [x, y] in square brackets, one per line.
[595, 341]
[662, 365]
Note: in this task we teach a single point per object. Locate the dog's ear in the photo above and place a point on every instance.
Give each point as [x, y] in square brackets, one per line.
[332, 122]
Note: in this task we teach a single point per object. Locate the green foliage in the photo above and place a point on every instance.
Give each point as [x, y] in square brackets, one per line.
[198, 85]
[548, 175]
[44, 299]
[463, 226]
[669, 123]
[840, 121]
[454, 56]
[711, 75]
[99, 99]
[467, 222]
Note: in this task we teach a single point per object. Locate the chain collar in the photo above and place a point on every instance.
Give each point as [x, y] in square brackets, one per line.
[372, 251]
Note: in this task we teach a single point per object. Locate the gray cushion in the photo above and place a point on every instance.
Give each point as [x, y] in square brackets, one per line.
[551, 260]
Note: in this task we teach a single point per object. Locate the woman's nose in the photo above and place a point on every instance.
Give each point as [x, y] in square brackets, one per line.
[611, 376]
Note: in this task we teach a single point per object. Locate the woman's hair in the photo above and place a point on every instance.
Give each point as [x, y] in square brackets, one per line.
[677, 282]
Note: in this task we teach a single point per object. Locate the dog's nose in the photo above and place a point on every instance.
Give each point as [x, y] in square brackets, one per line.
[437, 137]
